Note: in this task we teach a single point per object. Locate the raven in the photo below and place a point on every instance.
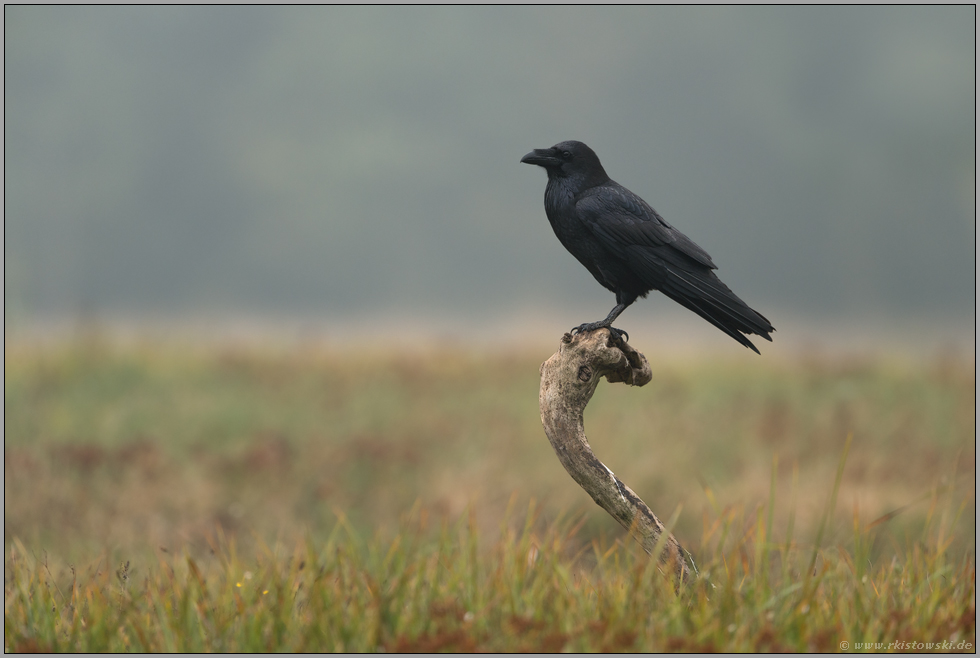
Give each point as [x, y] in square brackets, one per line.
[629, 248]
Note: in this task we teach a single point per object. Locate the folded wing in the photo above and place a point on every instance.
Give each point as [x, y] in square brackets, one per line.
[667, 260]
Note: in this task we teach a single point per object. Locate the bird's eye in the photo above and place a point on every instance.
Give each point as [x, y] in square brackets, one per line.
[567, 155]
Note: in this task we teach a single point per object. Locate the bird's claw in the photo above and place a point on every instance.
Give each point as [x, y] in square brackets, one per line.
[592, 326]
[620, 334]
[586, 328]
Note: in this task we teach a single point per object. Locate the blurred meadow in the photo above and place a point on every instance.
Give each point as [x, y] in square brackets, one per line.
[124, 457]
[151, 446]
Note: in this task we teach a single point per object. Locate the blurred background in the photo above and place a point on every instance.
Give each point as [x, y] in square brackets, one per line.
[328, 181]
[338, 168]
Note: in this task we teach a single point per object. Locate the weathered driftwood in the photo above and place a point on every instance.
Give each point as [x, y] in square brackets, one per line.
[568, 380]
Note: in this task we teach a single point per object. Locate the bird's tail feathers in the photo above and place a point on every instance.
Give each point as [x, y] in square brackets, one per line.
[705, 294]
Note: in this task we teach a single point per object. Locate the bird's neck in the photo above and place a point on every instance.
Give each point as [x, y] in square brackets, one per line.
[558, 194]
[579, 181]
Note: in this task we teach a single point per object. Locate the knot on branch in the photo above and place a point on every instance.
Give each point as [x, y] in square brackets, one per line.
[595, 355]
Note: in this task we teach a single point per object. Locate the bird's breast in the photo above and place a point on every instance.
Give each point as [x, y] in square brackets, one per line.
[559, 205]
[575, 235]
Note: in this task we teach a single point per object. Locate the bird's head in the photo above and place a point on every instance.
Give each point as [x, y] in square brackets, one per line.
[569, 160]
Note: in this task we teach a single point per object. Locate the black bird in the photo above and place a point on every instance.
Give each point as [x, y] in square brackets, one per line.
[629, 248]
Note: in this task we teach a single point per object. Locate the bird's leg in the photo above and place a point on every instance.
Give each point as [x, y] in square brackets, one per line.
[605, 324]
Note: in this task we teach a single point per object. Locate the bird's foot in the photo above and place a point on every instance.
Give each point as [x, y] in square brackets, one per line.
[592, 326]
[619, 334]
[587, 327]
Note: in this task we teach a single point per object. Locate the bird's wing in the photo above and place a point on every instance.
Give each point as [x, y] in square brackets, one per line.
[666, 259]
[620, 219]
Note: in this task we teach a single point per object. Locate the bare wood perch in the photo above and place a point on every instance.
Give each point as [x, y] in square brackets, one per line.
[568, 380]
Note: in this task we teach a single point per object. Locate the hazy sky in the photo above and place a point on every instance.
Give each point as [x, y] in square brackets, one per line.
[337, 161]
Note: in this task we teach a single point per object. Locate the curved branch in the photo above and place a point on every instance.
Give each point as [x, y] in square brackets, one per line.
[568, 380]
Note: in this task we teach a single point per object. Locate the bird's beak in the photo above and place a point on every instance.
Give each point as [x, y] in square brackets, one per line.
[541, 157]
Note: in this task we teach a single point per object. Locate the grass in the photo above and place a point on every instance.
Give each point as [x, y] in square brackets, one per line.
[167, 497]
